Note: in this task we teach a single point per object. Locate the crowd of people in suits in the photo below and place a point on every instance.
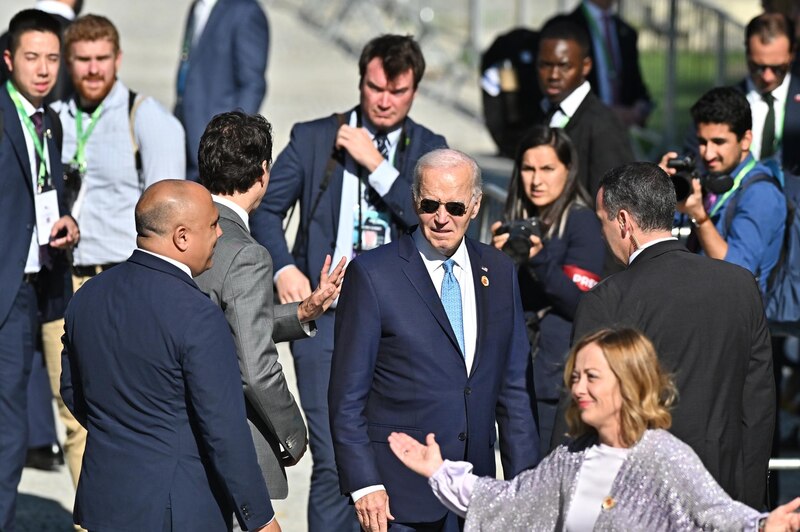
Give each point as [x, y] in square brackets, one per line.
[429, 331]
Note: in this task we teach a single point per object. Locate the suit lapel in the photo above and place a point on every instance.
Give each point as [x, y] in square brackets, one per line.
[213, 17]
[479, 272]
[13, 128]
[420, 279]
[228, 214]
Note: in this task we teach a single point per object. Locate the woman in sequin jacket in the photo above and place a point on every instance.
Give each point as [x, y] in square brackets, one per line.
[623, 471]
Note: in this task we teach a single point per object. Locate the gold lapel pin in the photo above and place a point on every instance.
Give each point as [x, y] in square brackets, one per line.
[484, 280]
[608, 503]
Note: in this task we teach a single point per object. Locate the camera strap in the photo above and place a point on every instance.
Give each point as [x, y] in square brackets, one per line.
[736, 182]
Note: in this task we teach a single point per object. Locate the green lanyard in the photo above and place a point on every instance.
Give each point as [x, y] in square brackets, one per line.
[736, 182]
[42, 178]
[82, 137]
[595, 30]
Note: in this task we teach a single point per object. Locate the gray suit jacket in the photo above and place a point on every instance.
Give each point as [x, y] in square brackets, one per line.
[240, 281]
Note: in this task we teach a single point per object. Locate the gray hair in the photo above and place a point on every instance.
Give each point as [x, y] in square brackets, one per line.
[447, 158]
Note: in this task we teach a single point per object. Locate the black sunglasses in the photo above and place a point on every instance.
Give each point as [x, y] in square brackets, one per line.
[455, 208]
[778, 70]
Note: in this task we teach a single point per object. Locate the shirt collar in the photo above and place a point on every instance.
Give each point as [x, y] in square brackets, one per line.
[647, 245]
[184, 268]
[433, 258]
[55, 8]
[27, 106]
[240, 212]
[781, 92]
[569, 105]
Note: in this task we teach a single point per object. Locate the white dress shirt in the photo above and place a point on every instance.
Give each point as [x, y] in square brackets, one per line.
[235, 208]
[32, 264]
[759, 110]
[54, 7]
[647, 245]
[184, 268]
[569, 105]
[601, 463]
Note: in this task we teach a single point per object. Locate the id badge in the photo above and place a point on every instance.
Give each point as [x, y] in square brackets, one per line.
[46, 214]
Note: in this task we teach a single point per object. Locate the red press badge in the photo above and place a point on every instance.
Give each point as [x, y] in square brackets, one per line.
[583, 279]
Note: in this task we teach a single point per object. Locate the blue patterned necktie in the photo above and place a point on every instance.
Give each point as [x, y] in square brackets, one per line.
[451, 299]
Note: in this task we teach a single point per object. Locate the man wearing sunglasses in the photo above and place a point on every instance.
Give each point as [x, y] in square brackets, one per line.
[771, 90]
[351, 173]
[430, 338]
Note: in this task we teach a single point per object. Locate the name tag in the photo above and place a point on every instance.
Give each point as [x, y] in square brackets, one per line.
[46, 214]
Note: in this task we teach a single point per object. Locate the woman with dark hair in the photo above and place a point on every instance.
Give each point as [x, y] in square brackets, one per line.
[556, 267]
[622, 471]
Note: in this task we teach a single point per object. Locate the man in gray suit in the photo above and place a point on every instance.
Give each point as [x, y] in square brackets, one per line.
[235, 156]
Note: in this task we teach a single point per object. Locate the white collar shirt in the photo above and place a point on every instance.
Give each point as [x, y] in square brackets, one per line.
[647, 245]
[462, 271]
[759, 110]
[55, 8]
[202, 10]
[184, 268]
[240, 212]
[569, 105]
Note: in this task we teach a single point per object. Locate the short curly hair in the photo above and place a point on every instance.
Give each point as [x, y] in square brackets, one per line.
[724, 105]
[647, 391]
[91, 28]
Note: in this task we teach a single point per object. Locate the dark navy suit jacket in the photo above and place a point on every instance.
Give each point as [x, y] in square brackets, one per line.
[226, 70]
[397, 367]
[298, 173]
[151, 372]
[18, 217]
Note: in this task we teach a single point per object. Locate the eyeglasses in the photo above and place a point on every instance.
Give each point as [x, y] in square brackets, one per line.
[777, 70]
[455, 208]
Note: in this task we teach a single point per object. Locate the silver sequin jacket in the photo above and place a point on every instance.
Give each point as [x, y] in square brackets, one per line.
[662, 485]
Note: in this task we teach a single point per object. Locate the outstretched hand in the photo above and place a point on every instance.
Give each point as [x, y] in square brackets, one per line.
[330, 285]
[422, 459]
[783, 518]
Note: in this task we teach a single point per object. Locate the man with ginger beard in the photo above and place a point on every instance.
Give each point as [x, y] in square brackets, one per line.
[352, 173]
[115, 145]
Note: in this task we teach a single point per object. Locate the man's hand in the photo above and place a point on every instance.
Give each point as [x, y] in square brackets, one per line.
[359, 145]
[372, 511]
[663, 162]
[70, 233]
[292, 285]
[273, 526]
[330, 285]
[693, 204]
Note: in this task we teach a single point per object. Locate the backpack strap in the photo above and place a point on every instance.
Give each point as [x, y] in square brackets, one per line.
[333, 160]
[133, 104]
[731, 209]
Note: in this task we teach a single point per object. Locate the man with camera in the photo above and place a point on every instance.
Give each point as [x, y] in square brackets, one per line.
[115, 145]
[352, 174]
[740, 213]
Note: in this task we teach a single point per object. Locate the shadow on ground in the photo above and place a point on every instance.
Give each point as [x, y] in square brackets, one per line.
[41, 515]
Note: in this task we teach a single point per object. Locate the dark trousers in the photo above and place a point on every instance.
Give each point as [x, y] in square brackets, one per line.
[547, 412]
[328, 509]
[449, 523]
[41, 422]
[16, 353]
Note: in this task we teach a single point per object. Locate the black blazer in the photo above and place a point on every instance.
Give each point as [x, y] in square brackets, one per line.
[601, 140]
[707, 322]
[632, 87]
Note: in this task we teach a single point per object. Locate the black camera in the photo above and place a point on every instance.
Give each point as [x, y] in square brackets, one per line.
[73, 179]
[687, 170]
[518, 245]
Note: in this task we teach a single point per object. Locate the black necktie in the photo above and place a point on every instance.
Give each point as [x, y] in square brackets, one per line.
[382, 143]
[768, 135]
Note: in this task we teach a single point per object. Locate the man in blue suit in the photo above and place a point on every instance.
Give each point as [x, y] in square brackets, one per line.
[222, 66]
[429, 337]
[352, 174]
[150, 370]
[35, 226]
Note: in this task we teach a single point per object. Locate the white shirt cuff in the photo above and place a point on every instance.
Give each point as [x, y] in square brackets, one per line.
[383, 177]
[366, 491]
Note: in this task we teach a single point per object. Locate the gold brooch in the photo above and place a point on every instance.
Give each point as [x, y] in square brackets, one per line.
[484, 280]
[608, 503]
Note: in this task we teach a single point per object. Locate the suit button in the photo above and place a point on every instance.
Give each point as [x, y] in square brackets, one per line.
[462, 436]
[467, 390]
